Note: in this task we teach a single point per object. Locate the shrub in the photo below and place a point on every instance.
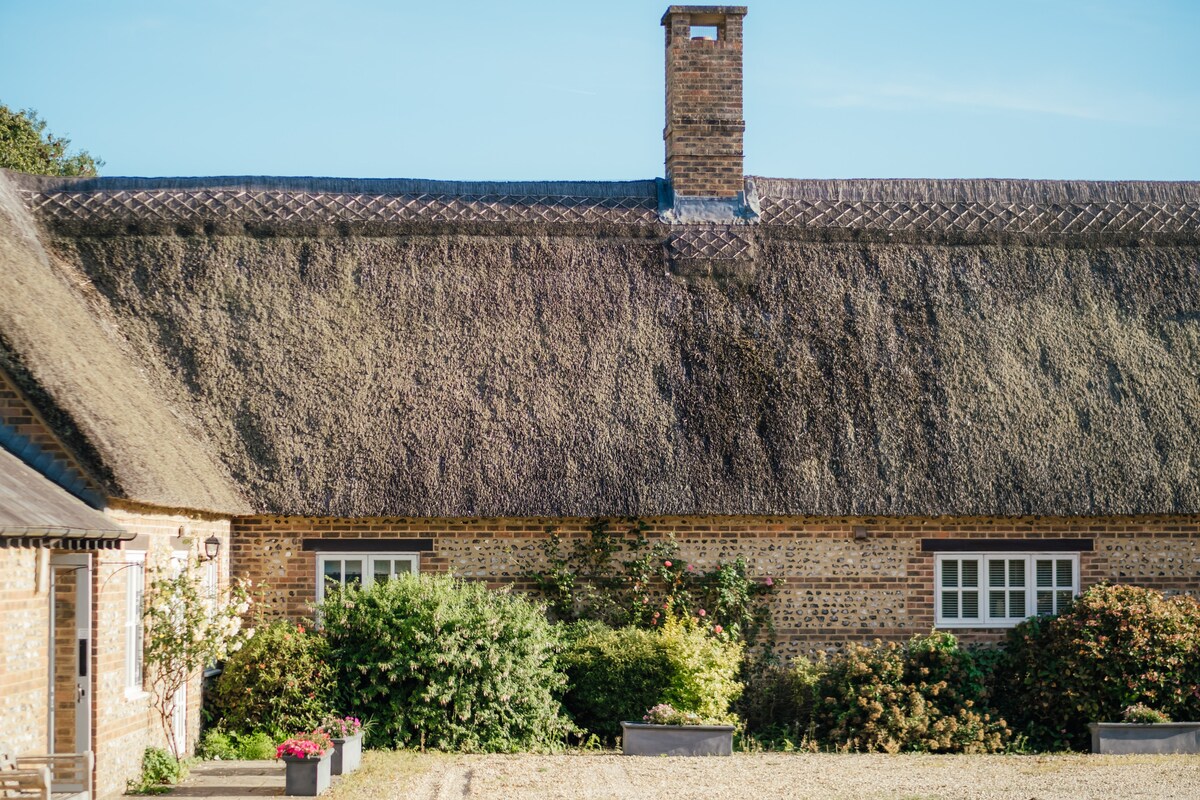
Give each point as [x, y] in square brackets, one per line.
[666, 714]
[1142, 714]
[777, 703]
[444, 663]
[925, 695]
[616, 674]
[281, 681]
[1113, 647]
[160, 770]
[217, 745]
[619, 576]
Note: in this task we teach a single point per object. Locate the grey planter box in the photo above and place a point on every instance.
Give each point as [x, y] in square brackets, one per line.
[640, 739]
[1127, 737]
[307, 777]
[347, 754]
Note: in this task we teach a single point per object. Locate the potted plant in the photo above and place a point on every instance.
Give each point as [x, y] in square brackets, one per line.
[664, 731]
[307, 758]
[1145, 730]
[347, 733]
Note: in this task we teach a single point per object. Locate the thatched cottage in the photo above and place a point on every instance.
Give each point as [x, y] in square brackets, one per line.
[913, 403]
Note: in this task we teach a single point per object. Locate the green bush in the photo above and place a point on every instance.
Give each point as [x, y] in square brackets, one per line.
[926, 695]
[1114, 647]
[236, 747]
[617, 674]
[619, 576]
[281, 682]
[217, 745]
[777, 703]
[160, 770]
[438, 662]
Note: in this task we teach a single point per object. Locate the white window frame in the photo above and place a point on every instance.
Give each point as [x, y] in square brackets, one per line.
[368, 557]
[135, 630]
[984, 559]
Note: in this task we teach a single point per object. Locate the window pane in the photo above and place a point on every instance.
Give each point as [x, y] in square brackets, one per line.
[1065, 574]
[950, 605]
[404, 565]
[333, 571]
[970, 605]
[970, 573]
[1016, 572]
[1063, 597]
[1016, 604]
[1044, 575]
[1045, 603]
[950, 574]
[996, 604]
[354, 572]
[383, 570]
[996, 574]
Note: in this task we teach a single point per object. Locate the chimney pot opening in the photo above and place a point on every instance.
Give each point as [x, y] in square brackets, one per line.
[707, 33]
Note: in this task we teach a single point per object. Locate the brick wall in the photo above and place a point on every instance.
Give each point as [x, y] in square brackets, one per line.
[24, 655]
[704, 124]
[19, 416]
[832, 587]
[123, 723]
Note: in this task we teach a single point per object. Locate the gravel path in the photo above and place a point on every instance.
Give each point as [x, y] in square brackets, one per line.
[392, 776]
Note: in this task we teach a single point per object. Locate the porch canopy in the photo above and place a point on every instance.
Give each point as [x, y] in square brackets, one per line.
[34, 512]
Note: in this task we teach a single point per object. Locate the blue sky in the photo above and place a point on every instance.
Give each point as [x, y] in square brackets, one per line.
[573, 90]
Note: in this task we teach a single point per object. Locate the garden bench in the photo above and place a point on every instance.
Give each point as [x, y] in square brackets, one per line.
[58, 776]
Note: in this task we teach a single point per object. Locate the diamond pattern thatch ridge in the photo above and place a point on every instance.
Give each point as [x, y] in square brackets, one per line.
[1045, 215]
[265, 206]
[985, 217]
[713, 243]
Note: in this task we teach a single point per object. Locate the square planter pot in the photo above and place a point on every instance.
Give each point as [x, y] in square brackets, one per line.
[347, 754]
[1128, 737]
[640, 739]
[307, 777]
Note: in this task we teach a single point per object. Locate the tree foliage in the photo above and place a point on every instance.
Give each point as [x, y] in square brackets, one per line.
[26, 146]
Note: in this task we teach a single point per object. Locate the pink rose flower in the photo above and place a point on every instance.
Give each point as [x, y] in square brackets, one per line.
[717, 629]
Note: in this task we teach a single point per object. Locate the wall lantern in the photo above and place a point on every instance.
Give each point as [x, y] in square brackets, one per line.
[212, 548]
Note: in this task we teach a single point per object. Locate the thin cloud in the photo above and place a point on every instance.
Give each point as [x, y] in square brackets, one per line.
[917, 95]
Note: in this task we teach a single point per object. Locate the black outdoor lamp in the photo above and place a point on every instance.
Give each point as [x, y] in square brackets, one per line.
[212, 548]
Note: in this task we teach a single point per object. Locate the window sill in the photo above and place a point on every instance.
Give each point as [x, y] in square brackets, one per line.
[132, 693]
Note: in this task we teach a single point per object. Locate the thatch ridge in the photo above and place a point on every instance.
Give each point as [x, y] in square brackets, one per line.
[978, 190]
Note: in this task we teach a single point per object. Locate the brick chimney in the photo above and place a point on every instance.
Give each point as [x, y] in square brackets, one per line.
[704, 127]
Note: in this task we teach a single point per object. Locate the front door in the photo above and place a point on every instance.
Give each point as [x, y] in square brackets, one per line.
[71, 653]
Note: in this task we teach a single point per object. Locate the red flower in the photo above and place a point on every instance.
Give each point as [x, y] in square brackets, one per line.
[717, 629]
[666, 563]
[702, 612]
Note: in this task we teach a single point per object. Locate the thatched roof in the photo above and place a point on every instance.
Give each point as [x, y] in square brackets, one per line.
[430, 349]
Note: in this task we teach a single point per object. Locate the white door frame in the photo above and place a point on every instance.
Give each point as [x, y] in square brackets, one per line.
[81, 565]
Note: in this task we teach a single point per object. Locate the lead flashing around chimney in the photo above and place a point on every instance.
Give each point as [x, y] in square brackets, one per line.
[681, 210]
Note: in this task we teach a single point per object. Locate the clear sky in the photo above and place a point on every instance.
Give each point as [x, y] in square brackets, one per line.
[563, 89]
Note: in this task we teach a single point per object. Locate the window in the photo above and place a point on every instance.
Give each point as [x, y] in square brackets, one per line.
[1001, 589]
[362, 569]
[135, 594]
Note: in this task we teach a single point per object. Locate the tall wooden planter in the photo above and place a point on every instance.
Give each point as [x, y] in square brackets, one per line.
[347, 754]
[307, 777]
[643, 739]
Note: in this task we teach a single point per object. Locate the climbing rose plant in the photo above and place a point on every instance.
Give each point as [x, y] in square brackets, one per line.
[188, 628]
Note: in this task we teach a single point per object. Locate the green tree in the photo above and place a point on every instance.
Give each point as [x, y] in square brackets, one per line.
[26, 146]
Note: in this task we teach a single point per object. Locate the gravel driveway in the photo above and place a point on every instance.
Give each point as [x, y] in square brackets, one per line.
[393, 776]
